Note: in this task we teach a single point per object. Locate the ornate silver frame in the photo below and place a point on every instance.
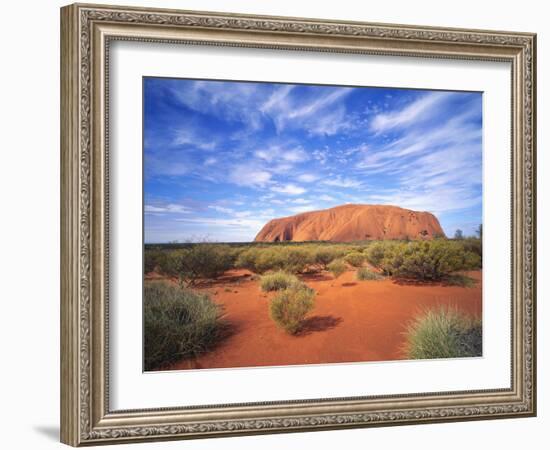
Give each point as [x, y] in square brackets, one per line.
[86, 31]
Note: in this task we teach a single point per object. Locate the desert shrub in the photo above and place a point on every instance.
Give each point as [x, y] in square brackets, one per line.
[380, 250]
[153, 260]
[290, 306]
[473, 245]
[337, 267]
[287, 258]
[296, 260]
[178, 324]
[324, 255]
[169, 264]
[424, 260]
[444, 333]
[247, 259]
[429, 260]
[200, 261]
[277, 281]
[355, 259]
[365, 274]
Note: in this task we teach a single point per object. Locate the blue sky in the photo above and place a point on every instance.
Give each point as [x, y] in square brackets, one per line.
[223, 158]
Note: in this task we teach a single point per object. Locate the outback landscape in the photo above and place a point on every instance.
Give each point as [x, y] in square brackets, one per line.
[282, 300]
[289, 224]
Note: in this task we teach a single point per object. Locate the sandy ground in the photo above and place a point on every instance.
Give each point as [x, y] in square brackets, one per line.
[352, 320]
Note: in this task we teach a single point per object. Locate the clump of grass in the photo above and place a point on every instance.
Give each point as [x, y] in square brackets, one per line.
[337, 267]
[290, 306]
[277, 281]
[178, 324]
[365, 274]
[444, 333]
[355, 259]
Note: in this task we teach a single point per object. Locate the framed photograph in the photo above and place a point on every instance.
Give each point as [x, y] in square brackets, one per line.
[276, 224]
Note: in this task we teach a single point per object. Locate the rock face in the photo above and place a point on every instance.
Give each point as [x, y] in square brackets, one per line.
[348, 223]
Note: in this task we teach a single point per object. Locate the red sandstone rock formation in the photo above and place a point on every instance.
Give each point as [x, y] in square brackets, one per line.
[347, 223]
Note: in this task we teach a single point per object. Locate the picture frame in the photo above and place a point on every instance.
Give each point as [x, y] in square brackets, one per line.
[87, 32]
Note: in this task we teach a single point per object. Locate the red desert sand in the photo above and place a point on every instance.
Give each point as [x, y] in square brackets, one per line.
[352, 320]
[347, 223]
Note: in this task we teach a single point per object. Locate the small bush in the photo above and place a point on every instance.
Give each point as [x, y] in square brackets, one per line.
[473, 245]
[200, 261]
[337, 267]
[323, 256]
[276, 281]
[178, 324]
[423, 260]
[290, 306]
[296, 260]
[432, 260]
[365, 274]
[153, 260]
[444, 333]
[355, 259]
[378, 251]
[286, 258]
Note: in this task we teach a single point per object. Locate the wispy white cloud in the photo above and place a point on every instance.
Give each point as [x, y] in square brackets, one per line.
[412, 113]
[319, 103]
[307, 177]
[228, 100]
[188, 136]
[290, 189]
[323, 113]
[302, 208]
[168, 208]
[321, 156]
[277, 98]
[342, 182]
[292, 155]
[222, 209]
[457, 130]
[330, 123]
[233, 222]
[247, 175]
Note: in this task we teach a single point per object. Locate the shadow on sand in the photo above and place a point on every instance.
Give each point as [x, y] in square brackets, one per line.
[460, 280]
[316, 276]
[318, 323]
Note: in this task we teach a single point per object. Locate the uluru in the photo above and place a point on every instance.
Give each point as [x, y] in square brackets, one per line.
[351, 222]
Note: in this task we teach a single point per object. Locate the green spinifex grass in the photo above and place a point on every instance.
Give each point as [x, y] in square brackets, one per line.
[290, 306]
[444, 333]
[277, 281]
[366, 274]
[337, 267]
[178, 324]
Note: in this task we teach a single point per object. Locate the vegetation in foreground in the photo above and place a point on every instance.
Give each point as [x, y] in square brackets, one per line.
[290, 306]
[337, 267]
[434, 260]
[181, 323]
[444, 333]
[366, 274]
[423, 260]
[178, 324]
[277, 281]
